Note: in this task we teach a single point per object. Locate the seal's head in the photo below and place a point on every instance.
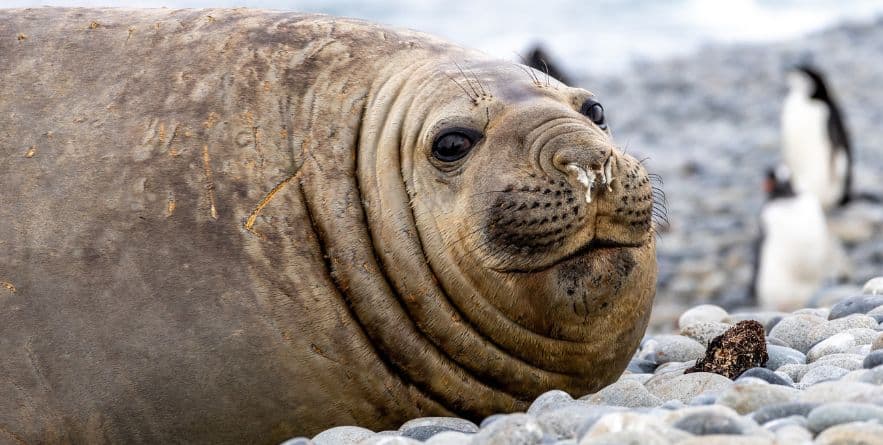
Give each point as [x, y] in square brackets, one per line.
[538, 229]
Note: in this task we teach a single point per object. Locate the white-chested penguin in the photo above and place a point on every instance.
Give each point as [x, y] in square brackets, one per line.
[815, 144]
[793, 256]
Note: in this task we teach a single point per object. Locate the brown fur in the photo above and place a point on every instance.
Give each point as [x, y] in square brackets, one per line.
[226, 226]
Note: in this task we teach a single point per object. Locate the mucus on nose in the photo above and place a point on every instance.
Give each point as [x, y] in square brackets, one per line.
[587, 176]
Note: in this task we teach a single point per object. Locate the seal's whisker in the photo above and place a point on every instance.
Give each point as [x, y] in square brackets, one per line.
[466, 78]
[480, 85]
[534, 79]
[473, 99]
[546, 69]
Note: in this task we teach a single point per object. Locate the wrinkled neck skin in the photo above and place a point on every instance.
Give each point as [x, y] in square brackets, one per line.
[435, 274]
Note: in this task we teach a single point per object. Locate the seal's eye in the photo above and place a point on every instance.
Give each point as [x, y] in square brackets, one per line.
[453, 144]
[594, 111]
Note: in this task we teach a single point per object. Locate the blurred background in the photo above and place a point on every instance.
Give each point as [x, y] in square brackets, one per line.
[696, 88]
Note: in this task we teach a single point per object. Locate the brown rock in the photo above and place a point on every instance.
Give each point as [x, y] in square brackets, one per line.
[740, 348]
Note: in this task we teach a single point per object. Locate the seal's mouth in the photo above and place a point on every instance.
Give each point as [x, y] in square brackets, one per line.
[595, 248]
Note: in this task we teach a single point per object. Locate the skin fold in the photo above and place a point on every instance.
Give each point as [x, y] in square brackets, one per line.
[229, 226]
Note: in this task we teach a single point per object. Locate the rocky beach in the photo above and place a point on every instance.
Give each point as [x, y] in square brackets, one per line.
[708, 125]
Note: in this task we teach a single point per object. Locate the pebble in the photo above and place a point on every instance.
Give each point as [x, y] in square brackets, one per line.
[627, 393]
[840, 391]
[793, 330]
[777, 411]
[873, 376]
[641, 366]
[342, 435]
[838, 343]
[425, 427]
[854, 433]
[704, 331]
[513, 429]
[702, 313]
[831, 414]
[547, 401]
[685, 387]
[713, 421]
[673, 348]
[379, 439]
[765, 375]
[567, 421]
[625, 438]
[298, 441]
[726, 439]
[840, 325]
[863, 336]
[874, 286]
[449, 438]
[747, 398]
[792, 434]
[878, 342]
[861, 304]
[873, 360]
[781, 355]
[646, 424]
[822, 374]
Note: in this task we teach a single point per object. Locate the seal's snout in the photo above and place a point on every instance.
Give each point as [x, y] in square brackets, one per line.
[585, 165]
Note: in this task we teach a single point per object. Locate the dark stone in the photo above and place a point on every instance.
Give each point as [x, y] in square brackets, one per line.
[538, 58]
[737, 350]
[778, 411]
[861, 304]
[767, 375]
[641, 366]
[873, 360]
[705, 423]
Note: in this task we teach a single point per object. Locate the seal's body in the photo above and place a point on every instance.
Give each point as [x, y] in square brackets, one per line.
[239, 226]
[815, 143]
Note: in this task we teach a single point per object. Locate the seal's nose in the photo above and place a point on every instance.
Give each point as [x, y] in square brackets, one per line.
[584, 164]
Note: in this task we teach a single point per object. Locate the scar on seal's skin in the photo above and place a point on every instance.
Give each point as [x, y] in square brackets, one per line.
[210, 186]
[249, 223]
[9, 286]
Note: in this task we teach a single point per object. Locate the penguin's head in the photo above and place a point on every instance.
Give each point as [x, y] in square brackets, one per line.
[808, 81]
[777, 183]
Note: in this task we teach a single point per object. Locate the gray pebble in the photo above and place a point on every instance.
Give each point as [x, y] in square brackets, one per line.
[873, 360]
[793, 330]
[490, 419]
[298, 441]
[646, 424]
[706, 398]
[704, 423]
[839, 391]
[704, 331]
[513, 429]
[674, 348]
[765, 375]
[776, 342]
[567, 422]
[794, 371]
[840, 325]
[625, 438]
[820, 374]
[548, 400]
[342, 435]
[684, 387]
[873, 376]
[780, 355]
[861, 304]
[772, 412]
[878, 342]
[425, 427]
[702, 313]
[863, 336]
[747, 398]
[831, 414]
[449, 438]
[857, 433]
[835, 344]
[627, 393]
[386, 439]
[641, 366]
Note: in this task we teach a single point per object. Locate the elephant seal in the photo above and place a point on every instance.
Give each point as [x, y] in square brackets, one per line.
[235, 226]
